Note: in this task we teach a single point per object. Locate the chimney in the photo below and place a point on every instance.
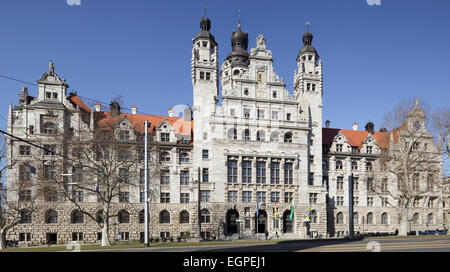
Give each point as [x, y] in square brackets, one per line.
[187, 114]
[383, 130]
[327, 123]
[355, 126]
[370, 127]
[170, 112]
[114, 109]
[98, 107]
[133, 109]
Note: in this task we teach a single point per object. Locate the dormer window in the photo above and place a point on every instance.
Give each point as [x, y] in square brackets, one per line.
[165, 137]
[49, 128]
[369, 150]
[124, 135]
[339, 148]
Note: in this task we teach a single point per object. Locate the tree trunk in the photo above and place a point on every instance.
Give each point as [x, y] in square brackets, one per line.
[2, 239]
[105, 234]
[403, 231]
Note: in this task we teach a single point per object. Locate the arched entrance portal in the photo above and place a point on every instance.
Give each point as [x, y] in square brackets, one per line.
[261, 224]
[232, 224]
[287, 222]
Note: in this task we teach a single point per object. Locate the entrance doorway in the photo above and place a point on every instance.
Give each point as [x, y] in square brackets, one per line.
[232, 224]
[287, 222]
[52, 238]
[261, 222]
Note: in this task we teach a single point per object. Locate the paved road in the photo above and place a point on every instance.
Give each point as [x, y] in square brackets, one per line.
[423, 244]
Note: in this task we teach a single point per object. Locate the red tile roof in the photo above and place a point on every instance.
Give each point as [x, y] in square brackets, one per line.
[78, 102]
[354, 137]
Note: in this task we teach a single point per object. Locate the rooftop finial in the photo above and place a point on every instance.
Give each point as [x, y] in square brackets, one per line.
[307, 26]
[205, 7]
[239, 19]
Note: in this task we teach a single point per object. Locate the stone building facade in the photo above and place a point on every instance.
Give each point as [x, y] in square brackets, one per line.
[257, 156]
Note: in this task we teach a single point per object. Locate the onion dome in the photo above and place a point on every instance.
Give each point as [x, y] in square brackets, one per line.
[307, 44]
[239, 44]
[205, 26]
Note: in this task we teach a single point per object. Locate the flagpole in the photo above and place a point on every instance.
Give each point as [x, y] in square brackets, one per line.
[146, 206]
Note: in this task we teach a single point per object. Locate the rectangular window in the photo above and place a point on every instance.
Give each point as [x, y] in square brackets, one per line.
[50, 172]
[311, 159]
[205, 175]
[340, 183]
[355, 184]
[313, 87]
[165, 137]
[311, 179]
[274, 173]
[260, 114]
[184, 177]
[355, 201]
[208, 76]
[141, 176]
[246, 196]
[184, 198]
[261, 172]
[124, 197]
[275, 197]
[308, 86]
[25, 150]
[340, 201]
[370, 201]
[232, 112]
[49, 150]
[288, 196]
[202, 75]
[261, 197]
[165, 197]
[205, 196]
[141, 196]
[124, 176]
[384, 201]
[25, 195]
[246, 113]
[288, 173]
[338, 148]
[274, 115]
[369, 184]
[247, 223]
[312, 198]
[205, 154]
[25, 172]
[288, 117]
[232, 171]
[354, 150]
[124, 135]
[246, 171]
[232, 196]
[78, 196]
[165, 177]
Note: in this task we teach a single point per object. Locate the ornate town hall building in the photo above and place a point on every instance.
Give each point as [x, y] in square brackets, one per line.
[262, 158]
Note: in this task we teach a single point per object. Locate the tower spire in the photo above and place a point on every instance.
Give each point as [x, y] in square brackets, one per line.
[205, 7]
[239, 19]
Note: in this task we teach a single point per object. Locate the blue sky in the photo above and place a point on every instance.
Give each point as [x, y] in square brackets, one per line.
[374, 56]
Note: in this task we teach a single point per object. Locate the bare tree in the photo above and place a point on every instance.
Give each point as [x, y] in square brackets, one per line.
[410, 157]
[441, 124]
[101, 168]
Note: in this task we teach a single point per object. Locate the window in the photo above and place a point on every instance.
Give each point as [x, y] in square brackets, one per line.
[205, 196]
[247, 113]
[313, 217]
[202, 75]
[165, 157]
[275, 197]
[274, 115]
[274, 137]
[370, 201]
[246, 136]
[288, 137]
[31, 130]
[184, 197]
[165, 177]
[141, 196]
[78, 196]
[165, 197]
[232, 134]
[51, 217]
[205, 175]
[288, 116]
[370, 218]
[205, 216]
[288, 173]
[124, 197]
[369, 149]
[355, 184]
[124, 155]
[49, 128]
[384, 201]
[261, 197]
[340, 201]
[124, 135]
[232, 196]
[311, 178]
[288, 196]
[313, 87]
[261, 172]
[339, 165]
[274, 173]
[232, 171]
[184, 177]
[25, 217]
[24, 237]
[416, 218]
[354, 165]
[24, 195]
[274, 94]
[369, 166]
[245, 90]
[184, 217]
[430, 219]
[312, 198]
[384, 185]
[430, 202]
[324, 166]
[49, 150]
[430, 182]
[340, 183]
[370, 184]
[246, 196]
[355, 201]
[354, 150]
[208, 76]
[205, 154]
[340, 218]
[246, 171]
[308, 86]
[260, 114]
[123, 217]
[339, 148]
[25, 150]
[260, 137]
[164, 217]
[165, 137]
[24, 172]
[184, 157]
[50, 194]
[77, 217]
[355, 218]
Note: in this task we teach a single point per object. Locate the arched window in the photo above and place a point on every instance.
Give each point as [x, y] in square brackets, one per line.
[236, 72]
[313, 216]
[260, 136]
[369, 166]
[77, 217]
[274, 137]
[370, 218]
[142, 217]
[416, 218]
[354, 165]
[123, 217]
[338, 165]
[99, 217]
[51, 217]
[232, 134]
[184, 157]
[246, 135]
[340, 218]
[324, 165]
[288, 137]
[205, 216]
[49, 128]
[355, 218]
[184, 217]
[164, 217]
[25, 217]
[384, 219]
[430, 219]
[165, 156]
